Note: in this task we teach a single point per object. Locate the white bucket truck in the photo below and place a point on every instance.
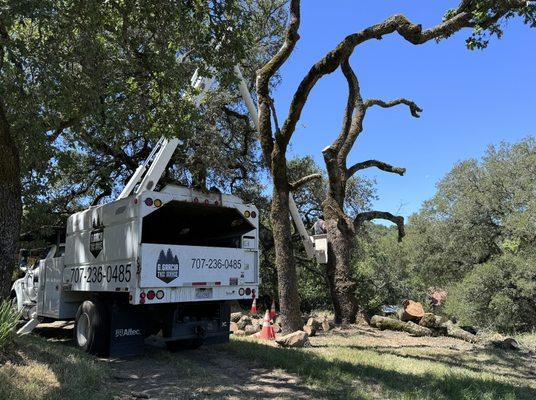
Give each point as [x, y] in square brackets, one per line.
[166, 261]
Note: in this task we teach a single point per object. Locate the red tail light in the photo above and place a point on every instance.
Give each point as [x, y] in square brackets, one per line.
[151, 294]
[148, 202]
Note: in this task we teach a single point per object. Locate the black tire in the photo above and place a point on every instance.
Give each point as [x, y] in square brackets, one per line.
[188, 344]
[91, 328]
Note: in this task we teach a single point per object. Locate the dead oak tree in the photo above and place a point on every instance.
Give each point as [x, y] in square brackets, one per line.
[482, 15]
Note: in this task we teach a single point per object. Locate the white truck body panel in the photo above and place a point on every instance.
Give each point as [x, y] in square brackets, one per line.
[105, 252]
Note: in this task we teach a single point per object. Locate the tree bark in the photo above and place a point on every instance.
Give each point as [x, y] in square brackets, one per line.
[397, 325]
[10, 203]
[342, 286]
[286, 270]
[274, 154]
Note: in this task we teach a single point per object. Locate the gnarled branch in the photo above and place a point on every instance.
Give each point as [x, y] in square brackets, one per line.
[370, 215]
[302, 181]
[267, 72]
[460, 18]
[375, 163]
[414, 108]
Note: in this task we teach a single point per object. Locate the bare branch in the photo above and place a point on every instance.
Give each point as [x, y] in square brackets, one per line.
[370, 215]
[413, 33]
[375, 163]
[354, 101]
[414, 108]
[265, 74]
[302, 181]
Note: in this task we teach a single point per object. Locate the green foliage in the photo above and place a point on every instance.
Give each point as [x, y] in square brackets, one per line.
[382, 270]
[487, 25]
[90, 86]
[500, 294]
[9, 318]
[476, 237]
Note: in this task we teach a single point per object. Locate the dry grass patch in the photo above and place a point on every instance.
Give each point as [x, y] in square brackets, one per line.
[364, 363]
[32, 368]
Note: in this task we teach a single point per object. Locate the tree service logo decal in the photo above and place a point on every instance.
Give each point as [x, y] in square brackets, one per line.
[167, 266]
[96, 237]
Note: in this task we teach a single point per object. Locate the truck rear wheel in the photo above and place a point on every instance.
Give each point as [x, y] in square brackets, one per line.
[91, 328]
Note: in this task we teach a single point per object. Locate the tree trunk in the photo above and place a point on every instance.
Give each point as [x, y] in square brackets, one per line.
[338, 268]
[10, 204]
[286, 270]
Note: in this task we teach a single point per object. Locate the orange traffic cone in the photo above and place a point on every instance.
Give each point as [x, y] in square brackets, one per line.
[273, 314]
[267, 332]
[254, 307]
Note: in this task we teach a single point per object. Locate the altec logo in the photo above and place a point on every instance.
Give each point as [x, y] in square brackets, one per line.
[167, 266]
[127, 332]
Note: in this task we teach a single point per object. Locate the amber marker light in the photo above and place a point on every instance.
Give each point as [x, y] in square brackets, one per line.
[158, 203]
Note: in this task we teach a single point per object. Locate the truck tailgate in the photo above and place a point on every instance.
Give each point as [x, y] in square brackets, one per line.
[175, 265]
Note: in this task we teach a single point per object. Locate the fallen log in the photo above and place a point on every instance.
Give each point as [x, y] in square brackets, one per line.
[397, 325]
[455, 331]
[413, 311]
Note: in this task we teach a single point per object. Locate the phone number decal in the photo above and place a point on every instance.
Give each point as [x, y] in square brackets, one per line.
[216, 263]
[99, 274]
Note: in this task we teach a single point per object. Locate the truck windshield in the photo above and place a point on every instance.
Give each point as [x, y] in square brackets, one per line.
[194, 224]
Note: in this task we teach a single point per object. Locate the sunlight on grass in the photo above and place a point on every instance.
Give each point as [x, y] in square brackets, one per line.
[40, 370]
[348, 371]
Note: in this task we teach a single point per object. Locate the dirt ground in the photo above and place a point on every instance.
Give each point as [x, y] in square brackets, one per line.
[204, 373]
[221, 372]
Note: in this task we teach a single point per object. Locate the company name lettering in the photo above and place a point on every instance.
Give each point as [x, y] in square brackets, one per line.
[127, 332]
[167, 267]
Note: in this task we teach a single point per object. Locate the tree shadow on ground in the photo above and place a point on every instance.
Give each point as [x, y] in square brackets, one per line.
[494, 364]
[341, 379]
[54, 370]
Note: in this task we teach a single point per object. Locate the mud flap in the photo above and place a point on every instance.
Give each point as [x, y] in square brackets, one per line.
[127, 331]
[28, 326]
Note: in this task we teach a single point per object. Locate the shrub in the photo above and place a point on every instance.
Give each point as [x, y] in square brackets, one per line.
[500, 294]
[9, 318]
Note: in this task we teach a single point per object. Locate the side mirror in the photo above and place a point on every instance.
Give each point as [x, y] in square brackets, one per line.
[23, 259]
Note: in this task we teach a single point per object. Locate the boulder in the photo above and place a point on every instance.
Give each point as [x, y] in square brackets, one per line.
[295, 339]
[233, 327]
[413, 311]
[505, 343]
[235, 317]
[276, 327]
[240, 333]
[326, 326]
[310, 330]
[314, 323]
[251, 329]
[243, 322]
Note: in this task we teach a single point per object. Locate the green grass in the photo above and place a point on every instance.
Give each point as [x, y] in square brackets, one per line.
[8, 321]
[33, 368]
[345, 369]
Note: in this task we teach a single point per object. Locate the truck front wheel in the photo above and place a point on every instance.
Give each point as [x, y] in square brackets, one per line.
[91, 327]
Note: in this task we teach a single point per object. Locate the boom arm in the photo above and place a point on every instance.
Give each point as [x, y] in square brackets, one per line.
[308, 243]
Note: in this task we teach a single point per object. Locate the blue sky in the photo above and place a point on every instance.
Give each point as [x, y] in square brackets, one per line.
[471, 99]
